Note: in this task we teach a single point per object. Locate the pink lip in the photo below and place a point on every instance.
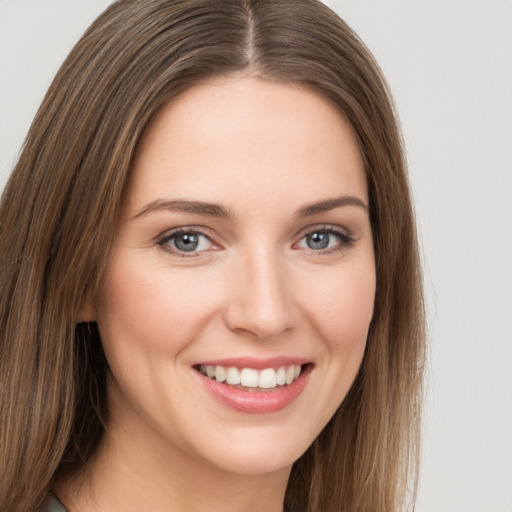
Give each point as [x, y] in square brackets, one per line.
[255, 402]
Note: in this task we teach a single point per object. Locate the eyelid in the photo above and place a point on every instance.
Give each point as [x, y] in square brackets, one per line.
[345, 236]
[332, 228]
[167, 235]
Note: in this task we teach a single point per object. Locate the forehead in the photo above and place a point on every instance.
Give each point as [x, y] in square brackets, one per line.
[263, 140]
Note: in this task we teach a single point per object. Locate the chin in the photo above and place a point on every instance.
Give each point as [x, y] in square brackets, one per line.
[263, 452]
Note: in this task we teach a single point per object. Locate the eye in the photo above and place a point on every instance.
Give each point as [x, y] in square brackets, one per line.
[186, 242]
[325, 240]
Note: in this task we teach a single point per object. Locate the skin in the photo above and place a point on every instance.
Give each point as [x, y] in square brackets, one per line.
[254, 288]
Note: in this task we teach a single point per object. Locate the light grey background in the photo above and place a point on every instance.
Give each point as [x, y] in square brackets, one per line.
[449, 64]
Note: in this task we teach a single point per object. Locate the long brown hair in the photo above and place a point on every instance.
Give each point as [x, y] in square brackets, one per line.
[59, 215]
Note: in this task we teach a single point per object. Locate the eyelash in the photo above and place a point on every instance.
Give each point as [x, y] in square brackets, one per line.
[345, 240]
[164, 240]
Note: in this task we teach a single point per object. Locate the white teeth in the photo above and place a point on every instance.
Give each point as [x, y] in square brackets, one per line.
[250, 378]
[220, 373]
[233, 376]
[267, 379]
[281, 376]
[290, 373]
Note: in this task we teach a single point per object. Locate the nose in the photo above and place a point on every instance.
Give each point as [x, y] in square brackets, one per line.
[261, 300]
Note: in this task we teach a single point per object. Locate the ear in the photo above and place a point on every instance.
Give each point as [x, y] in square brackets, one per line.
[87, 311]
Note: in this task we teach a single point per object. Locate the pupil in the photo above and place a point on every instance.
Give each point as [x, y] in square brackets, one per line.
[318, 240]
[186, 243]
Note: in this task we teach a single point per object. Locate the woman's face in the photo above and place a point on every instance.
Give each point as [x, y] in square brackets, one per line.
[245, 253]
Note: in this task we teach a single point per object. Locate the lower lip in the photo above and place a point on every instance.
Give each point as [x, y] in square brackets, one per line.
[256, 402]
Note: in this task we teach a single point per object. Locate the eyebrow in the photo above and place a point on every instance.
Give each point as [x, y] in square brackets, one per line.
[216, 210]
[186, 206]
[330, 204]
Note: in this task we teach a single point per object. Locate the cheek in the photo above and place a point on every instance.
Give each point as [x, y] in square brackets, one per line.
[341, 306]
[143, 307]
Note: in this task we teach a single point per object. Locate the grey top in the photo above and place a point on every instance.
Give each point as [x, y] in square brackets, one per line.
[52, 504]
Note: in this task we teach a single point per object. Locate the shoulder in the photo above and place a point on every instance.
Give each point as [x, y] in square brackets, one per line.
[52, 504]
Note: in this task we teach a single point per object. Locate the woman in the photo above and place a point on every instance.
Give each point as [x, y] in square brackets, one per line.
[211, 296]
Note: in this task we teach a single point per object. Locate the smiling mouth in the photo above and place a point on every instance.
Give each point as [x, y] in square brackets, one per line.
[250, 379]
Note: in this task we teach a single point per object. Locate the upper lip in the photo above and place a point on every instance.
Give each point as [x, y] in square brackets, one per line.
[256, 363]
